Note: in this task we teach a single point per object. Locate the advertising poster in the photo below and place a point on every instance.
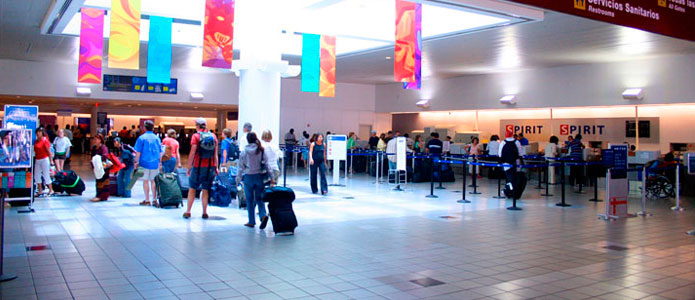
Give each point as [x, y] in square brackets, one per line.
[21, 117]
[15, 148]
[401, 144]
[336, 147]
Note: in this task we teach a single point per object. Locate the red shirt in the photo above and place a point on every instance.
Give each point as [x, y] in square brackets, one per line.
[42, 148]
[195, 139]
[174, 146]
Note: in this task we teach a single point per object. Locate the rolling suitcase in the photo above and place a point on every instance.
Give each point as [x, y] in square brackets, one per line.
[280, 209]
[168, 190]
[182, 177]
[518, 186]
[113, 184]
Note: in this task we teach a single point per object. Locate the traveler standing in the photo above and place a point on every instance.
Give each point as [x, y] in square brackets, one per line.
[552, 150]
[170, 140]
[50, 132]
[317, 160]
[381, 145]
[253, 166]
[351, 144]
[493, 147]
[273, 154]
[435, 146]
[576, 153]
[510, 152]
[304, 142]
[475, 149]
[290, 142]
[62, 146]
[126, 154]
[242, 136]
[124, 133]
[102, 183]
[44, 159]
[229, 150]
[373, 140]
[523, 140]
[202, 166]
[168, 160]
[418, 145]
[68, 132]
[148, 149]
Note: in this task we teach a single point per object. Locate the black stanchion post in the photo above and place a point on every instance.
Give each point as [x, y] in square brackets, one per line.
[547, 181]
[439, 171]
[284, 174]
[475, 179]
[463, 190]
[563, 203]
[3, 276]
[595, 199]
[499, 188]
[514, 187]
[432, 195]
[540, 178]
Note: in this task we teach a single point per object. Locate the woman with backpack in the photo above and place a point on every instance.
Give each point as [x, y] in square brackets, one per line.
[318, 162]
[253, 168]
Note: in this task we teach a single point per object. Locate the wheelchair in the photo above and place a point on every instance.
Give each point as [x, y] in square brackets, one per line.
[658, 183]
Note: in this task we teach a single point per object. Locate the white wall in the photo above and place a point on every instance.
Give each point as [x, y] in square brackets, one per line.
[666, 79]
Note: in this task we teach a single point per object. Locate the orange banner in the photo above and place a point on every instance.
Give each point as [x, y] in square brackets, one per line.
[327, 83]
[124, 40]
[404, 54]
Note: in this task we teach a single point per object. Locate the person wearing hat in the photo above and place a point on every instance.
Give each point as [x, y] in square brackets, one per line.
[202, 166]
[148, 157]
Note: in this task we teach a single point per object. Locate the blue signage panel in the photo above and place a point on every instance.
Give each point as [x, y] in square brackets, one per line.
[619, 161]
[21, 117]
[691, 163]
[607, 155]
[138, 84]
[337, 138]
[15, 148]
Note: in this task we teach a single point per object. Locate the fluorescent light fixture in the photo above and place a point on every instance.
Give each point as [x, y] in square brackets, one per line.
[83, 91]
[633, 94]
[424, 103]
[508, 99]
[197, 96]
[335, 17]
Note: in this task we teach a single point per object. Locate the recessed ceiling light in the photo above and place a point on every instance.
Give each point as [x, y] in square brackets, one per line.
[139, 104]
[388, 57]
[195, 107]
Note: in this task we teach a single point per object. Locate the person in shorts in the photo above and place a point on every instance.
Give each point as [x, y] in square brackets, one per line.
[202, 166]
[148, 156]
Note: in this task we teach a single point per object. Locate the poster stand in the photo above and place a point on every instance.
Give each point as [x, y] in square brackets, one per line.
[336, 152]
[617, 185]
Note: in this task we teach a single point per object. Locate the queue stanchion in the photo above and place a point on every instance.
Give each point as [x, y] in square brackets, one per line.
[547, 180]
[284, 173]
[432, 195]
[643, 201]
[562, 178]
[439, 172]
[514, 197]
[3, 276]
[475, 179]
[463, 186]
[595, 199]
[540, 178]
[678, 206]
[376, 167]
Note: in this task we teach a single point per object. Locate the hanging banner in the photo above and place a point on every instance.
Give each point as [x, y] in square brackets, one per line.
[418, 51]
[404, 53]
[91, 45]
[124, 40]
[219, 34]
[675, 18]
[311, 61]
[327, 83]
[159, 51]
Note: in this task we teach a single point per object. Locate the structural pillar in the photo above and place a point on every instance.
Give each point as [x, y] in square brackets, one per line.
[93, 121]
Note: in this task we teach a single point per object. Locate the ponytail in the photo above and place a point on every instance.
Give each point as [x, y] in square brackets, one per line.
[251, 138]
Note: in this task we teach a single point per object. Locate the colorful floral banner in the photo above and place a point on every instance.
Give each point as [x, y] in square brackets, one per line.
[404, 54]
[327, 84]
[311, 62]
[91, 45]
[418, 51]
[159, 50]
[124, 40]
[219, 34]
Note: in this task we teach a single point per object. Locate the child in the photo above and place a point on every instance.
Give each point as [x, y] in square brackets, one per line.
[168, 160]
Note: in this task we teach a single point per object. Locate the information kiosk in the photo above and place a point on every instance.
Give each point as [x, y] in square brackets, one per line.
[336, 148]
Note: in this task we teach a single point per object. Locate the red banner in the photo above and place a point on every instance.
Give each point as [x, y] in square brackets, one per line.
[675, 18]
[219, 34]
[404, 53]
[327, 79]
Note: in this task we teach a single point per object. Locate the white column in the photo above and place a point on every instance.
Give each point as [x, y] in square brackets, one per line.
[259, 103]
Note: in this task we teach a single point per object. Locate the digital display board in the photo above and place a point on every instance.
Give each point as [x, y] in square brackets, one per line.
[138, 84]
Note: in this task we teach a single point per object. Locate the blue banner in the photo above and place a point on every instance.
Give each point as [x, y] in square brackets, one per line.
[311, 62]
[159, 50]
[21, 117]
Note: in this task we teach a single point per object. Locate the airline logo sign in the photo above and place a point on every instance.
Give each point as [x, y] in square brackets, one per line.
[580, 4]
[567, 129]
[672, 18]
[525, 129]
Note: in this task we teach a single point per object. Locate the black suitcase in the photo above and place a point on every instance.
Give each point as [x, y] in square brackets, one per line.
[280, 209]
[359, 164]
[182, 177]
[443, 173]
[68, 182]
[422, 172]
[519, 186]
[113, 184]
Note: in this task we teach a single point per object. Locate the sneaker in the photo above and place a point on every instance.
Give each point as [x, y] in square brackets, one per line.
[205, 216]
[249, 225]
[264, 222]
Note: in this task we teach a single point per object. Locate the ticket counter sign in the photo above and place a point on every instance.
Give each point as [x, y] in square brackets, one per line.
[674, 18]
[21, 117]
[336, 147]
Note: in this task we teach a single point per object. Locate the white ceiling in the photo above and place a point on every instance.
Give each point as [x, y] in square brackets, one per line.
[557, 40]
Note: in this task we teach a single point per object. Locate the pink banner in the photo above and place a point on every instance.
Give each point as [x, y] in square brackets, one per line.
[219, 34]
[91, 46]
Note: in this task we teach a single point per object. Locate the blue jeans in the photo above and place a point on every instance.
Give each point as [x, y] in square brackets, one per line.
[253, 188]
[319, 167]
[123, 180]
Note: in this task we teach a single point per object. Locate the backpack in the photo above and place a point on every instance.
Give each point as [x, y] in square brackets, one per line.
[233, 151]
[206, 145]
[510, 153]
[117, 165]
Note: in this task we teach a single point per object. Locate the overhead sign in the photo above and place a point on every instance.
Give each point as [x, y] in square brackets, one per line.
[137, 84]
[336, 147]
[675, 18]
[611, 130]
[21, 117]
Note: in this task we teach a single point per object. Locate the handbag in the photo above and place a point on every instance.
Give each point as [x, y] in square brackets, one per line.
[98, 166]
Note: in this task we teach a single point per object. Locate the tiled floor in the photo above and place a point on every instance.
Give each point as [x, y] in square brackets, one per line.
[381, 244]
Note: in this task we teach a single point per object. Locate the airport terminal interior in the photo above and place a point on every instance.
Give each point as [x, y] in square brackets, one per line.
[347, 149]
